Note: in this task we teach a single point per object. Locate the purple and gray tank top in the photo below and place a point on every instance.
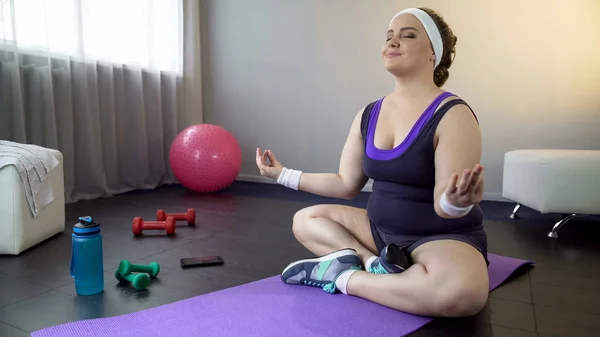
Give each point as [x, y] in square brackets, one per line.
[404, 177]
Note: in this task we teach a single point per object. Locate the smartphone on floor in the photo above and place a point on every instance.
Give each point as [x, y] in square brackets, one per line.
[201, 261]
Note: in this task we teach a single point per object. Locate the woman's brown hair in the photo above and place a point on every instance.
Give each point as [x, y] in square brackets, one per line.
[441, 73]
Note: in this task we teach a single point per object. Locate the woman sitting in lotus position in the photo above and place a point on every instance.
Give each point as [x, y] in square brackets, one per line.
[420, 246]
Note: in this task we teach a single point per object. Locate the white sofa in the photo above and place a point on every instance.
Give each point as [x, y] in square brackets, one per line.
[19, 230]
[566, 182]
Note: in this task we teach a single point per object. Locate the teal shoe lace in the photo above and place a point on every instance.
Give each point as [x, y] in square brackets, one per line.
[377, 268]
[330, 288]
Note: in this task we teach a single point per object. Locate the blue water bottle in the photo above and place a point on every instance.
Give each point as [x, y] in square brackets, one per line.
[86, 257]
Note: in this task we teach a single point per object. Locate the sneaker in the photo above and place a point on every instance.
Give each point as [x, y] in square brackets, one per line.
[391, 260]
[322, 271]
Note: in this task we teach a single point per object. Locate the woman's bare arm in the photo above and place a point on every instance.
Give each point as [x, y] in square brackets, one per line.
[457, 158]
[350, 179]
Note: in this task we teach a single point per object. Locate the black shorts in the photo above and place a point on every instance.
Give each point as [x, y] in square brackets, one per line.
[476, 238]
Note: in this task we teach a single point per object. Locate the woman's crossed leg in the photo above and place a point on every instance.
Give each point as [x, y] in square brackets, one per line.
[447, 278]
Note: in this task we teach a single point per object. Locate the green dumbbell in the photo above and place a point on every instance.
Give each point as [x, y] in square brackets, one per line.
[138, 281]
[126, 268]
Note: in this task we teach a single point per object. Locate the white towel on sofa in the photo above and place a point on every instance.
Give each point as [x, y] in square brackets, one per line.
[33, 164]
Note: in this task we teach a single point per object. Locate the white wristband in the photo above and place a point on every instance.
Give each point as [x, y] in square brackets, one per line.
[289, 178]
[451, 209]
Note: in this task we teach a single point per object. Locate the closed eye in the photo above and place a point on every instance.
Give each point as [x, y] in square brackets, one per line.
[409, 35]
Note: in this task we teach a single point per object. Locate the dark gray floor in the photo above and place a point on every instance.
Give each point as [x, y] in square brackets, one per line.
[249, 226]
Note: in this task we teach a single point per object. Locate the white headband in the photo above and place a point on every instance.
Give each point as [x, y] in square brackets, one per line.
[430, 28]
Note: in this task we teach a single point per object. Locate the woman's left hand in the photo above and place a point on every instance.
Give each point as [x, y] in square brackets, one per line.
[469, 190]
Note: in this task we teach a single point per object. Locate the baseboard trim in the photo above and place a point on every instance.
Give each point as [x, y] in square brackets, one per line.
[255, 179]
[489, 196]
[494, 196]
[260, 179]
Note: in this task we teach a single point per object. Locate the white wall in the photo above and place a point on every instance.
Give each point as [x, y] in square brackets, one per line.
[275, 70]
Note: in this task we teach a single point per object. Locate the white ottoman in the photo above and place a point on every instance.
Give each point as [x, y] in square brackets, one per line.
[19, 230]
[553, 181]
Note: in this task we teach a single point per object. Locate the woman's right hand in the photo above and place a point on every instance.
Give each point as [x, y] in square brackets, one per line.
[271, 169]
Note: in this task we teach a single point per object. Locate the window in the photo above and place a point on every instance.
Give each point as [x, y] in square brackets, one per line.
[144, 33]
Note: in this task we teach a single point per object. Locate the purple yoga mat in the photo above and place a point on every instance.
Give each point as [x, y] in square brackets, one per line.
[266, 308]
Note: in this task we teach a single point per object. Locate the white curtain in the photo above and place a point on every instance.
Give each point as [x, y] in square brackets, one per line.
[109, 83]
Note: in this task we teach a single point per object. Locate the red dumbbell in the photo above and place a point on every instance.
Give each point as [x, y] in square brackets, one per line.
[189, 216]
[140, 225]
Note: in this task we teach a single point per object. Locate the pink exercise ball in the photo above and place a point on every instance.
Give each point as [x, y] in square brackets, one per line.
[205, 158]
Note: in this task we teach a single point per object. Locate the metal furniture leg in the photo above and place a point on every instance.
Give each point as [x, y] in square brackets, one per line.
[563, 219]
[514, 212]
